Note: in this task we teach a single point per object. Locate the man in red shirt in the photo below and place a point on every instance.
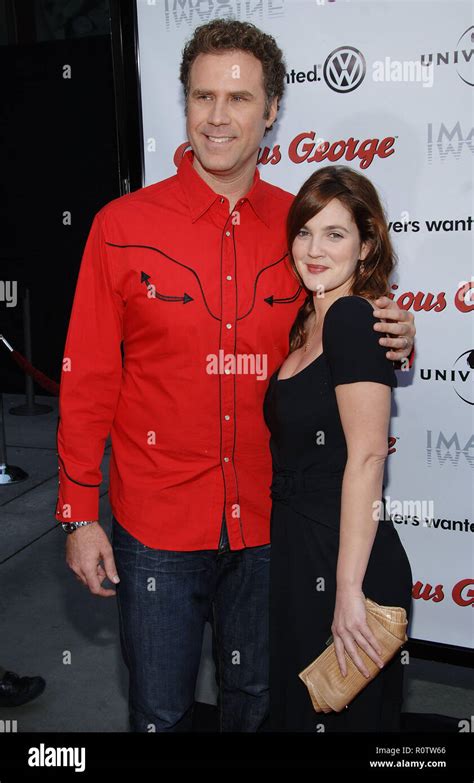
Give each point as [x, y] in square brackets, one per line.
[182, 311]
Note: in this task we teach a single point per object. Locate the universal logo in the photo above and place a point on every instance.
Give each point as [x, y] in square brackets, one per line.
[461, 57]
[460, 376]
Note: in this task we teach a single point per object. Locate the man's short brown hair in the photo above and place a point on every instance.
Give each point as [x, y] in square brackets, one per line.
[222, 35]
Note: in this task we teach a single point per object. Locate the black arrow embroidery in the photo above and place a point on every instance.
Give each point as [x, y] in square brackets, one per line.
[144, 278]
[274, 263]
[271, 299]
[179, 263]
[193, 271]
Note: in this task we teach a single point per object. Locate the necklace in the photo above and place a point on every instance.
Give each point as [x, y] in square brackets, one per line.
[308, 342]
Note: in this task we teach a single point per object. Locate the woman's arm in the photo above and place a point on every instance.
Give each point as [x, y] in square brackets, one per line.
[364, 409]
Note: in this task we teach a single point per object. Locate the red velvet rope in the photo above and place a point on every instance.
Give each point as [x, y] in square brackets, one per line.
[38, 376]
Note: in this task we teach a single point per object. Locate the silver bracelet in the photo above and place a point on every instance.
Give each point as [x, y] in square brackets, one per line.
[70, 527]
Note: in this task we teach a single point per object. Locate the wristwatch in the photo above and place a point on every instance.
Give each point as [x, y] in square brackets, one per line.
[70, 527]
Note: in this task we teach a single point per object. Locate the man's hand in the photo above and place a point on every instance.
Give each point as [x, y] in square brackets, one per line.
[397, 322]
[85, 549]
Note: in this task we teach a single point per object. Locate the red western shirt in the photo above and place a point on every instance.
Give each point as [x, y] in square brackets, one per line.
[181, 313]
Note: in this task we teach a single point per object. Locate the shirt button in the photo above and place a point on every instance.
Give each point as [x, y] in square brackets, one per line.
[226, 459]
[229, 277]
[227, 417]
[227, 233]
[228, 326]
[222, 200]
[227, 371]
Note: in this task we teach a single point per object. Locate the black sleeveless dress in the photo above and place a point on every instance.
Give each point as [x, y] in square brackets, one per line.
[309, 454]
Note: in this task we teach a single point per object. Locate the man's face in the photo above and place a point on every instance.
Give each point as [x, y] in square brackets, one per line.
[226, 104]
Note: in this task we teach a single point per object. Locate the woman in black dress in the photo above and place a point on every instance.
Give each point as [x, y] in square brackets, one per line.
[328, 409]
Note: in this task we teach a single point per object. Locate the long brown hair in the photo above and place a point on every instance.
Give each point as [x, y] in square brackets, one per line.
[358, 195]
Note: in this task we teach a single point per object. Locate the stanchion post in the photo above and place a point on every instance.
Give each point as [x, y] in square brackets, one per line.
[9, 474]
[30, 407]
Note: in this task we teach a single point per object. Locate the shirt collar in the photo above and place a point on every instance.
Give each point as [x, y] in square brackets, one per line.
[200, 196]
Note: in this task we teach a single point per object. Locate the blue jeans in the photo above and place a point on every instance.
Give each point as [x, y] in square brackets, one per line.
[164, 599]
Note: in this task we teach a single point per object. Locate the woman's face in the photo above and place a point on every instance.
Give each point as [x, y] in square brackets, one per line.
[327, 248]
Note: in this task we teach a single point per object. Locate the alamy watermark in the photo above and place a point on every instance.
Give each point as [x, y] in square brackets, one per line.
[237, 364]
[387, 507]
[388, 70]
[8, 292]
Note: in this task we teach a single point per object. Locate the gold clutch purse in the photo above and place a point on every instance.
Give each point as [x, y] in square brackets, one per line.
[329, 690]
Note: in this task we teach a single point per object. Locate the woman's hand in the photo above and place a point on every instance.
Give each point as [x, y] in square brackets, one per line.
[349, 627]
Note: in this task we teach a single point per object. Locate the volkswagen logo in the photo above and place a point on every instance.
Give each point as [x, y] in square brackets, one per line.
[344, 69]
